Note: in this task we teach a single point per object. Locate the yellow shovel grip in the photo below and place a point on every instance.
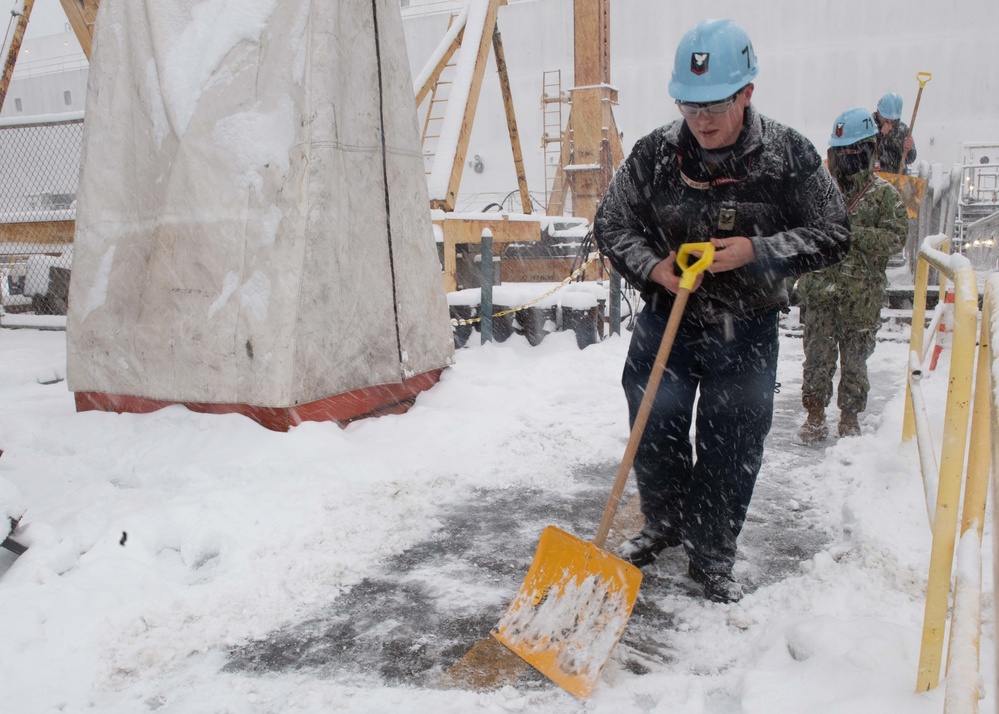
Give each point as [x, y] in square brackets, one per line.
[923, 78]
[690, 272]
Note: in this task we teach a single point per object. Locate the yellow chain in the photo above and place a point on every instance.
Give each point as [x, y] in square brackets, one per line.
[575, 274]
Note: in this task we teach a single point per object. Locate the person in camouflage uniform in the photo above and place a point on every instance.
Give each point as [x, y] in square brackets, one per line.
[842, 304]
[893, 136]
[757, 190]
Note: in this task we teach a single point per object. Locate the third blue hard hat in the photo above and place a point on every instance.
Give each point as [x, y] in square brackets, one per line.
[890, 106]
[713, 61]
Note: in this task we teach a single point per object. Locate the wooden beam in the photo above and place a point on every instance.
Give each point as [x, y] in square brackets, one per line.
[461, 229]
[592, 163]
[435, 74]
[614, 139]
[447, 202]
[511, 121]
[48, 232]
[15, 49]
[82, 14]
[560, 188]
[546, 270]
[591, 30]
[595, 154]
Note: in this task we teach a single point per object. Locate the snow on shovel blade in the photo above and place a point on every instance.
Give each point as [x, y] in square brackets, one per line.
[571, 610]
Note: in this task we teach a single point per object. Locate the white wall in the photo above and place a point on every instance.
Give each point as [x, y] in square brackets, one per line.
[817, 57]
[47, 67]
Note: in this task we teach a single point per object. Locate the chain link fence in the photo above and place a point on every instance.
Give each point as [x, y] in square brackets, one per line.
[39, 167]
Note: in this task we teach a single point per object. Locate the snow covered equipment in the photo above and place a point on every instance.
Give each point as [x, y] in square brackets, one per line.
[9, 543]
[252, 233]
[576, 599]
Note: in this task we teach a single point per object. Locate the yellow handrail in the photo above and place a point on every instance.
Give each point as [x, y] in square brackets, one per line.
[953, 447]
[965, 638]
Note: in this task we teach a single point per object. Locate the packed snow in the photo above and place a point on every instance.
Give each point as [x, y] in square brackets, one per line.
[157, 543]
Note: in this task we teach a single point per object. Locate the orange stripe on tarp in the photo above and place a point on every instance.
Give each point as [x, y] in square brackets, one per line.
[377, 400]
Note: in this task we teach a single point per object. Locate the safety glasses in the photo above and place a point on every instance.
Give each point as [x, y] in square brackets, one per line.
[714, 109]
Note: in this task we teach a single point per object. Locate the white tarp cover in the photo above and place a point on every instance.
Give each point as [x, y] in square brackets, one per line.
[235, 239]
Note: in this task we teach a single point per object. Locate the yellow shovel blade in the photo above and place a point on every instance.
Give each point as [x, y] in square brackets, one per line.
[912, 189]
[571, 610]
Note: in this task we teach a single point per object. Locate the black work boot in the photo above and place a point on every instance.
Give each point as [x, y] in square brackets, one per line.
[643, 548]
[814, 429]
[719, 587]
[848, 424]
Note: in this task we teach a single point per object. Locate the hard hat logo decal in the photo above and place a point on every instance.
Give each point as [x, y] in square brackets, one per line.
[699, 62]
[839, 129]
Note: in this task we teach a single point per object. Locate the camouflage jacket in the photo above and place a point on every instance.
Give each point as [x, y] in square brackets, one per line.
[772, 187]
[879, 226]
[889, 149]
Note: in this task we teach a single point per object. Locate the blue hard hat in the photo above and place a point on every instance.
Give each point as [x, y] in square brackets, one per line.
[852, 126]
[890, 106]
[713, 61]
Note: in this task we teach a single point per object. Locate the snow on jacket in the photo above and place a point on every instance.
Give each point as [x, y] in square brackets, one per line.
[784, 200]
[879, 227]
[889, 149]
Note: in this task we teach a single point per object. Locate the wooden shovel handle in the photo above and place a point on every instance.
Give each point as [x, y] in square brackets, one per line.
[687, 280]
[922, 78]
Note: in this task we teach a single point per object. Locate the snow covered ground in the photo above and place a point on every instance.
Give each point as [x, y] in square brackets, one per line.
[183, 562]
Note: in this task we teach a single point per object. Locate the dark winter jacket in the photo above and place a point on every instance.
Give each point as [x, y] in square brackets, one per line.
[879, 226]
[784, 200]
[889, 149]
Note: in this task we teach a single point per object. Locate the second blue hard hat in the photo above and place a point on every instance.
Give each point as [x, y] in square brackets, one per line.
[852, 126]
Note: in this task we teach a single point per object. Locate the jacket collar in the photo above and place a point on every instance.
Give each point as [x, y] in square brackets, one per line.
[679, 136]
[704, 170]
[853, 185]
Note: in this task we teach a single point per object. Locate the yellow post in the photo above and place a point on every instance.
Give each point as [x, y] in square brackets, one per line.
[965, 632]
[979, 452]
[989, 308]
[951, 465]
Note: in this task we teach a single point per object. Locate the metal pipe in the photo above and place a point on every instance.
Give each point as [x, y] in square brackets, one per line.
[615, 302]
[932, 330]
[924, 438]
[916, 331]
[486, 282]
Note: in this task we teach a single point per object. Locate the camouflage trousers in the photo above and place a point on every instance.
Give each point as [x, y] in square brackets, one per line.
[845, 329]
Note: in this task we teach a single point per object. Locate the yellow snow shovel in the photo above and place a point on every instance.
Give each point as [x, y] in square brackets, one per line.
[577, 598]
